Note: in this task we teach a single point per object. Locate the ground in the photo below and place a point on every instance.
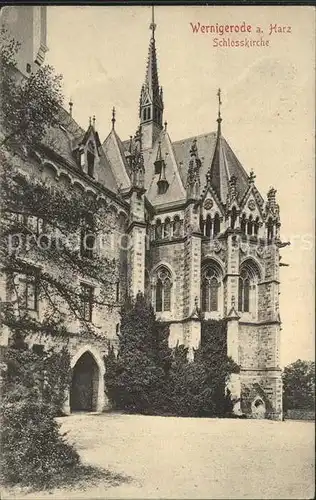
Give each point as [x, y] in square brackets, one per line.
[167, 457]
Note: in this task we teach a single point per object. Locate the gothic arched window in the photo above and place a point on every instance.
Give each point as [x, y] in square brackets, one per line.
[201, 224]
[270, 229]
[217, 224]
[163, 290]
[243, 224]
[208, 226]
[247, 288]
[167, 228]
[249, 225]
[256, 226]
[233, 218]
[176, 226]
[158, 230]
[211, 282]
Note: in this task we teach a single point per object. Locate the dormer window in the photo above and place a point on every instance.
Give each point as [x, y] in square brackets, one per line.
[81, 159]
[146, 114]
[90, 158]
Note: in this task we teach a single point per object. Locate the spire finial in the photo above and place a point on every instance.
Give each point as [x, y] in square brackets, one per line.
[219, 92]
[219, 118]
[152, 24]
[89, 121]
[113, 117]
[70, 106]
[166, 124]
[93, 121]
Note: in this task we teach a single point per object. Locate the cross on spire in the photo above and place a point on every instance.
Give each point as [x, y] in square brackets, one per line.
[219, 92]
[113, 117]
[152, 24]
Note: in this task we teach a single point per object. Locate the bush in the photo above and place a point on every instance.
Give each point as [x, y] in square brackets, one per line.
[136, 377]
[49, 372]
[147, 376]
[33, 451]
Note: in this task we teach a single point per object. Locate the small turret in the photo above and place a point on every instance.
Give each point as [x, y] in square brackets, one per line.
[193, 178]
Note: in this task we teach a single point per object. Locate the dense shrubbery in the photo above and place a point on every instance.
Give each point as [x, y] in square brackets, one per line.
[147, 376]
[299, 386]
[135, 379]
[33, 450]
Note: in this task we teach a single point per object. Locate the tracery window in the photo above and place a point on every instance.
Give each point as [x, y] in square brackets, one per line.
[211, 282]
[217, 225]
[270, 229]
[256, 226]
[208, 226]
[163, 290]
[249, 225]
[247, 288]
[167, 229]
[243, 224]
[176, 226]
[158, 230]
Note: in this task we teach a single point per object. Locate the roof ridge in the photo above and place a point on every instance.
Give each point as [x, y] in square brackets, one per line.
[194, 137]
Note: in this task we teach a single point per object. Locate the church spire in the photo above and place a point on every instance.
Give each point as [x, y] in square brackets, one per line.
[151, 101]
[219, 117]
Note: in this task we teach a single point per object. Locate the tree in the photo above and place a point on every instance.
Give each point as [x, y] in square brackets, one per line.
[45, 231]
[136, 377]
[44, 250]
[299, 385]
[199, 388]
[147, 376]
[32, 450]
[29, 105]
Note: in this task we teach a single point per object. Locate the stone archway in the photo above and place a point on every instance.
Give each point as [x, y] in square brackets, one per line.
[258, 408]
[86, 391]
[84, 384]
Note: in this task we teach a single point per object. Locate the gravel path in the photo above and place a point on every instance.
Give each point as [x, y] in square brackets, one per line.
[191, 458]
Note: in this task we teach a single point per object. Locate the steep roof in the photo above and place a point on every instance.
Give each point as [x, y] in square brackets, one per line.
[217, 156]
[67, 136]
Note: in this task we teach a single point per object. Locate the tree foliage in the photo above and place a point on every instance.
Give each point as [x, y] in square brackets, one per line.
[45, 228]
[28, 105]
[147, 376]
[136, 377]
[33, 450]
[299, 385]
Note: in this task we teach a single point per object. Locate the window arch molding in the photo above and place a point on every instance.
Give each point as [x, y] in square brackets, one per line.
[162, 280]
[212, 274]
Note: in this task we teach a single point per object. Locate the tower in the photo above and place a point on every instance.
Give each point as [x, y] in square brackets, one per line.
[27, 25]
[151, 101]
[137, 226]
[192, 253]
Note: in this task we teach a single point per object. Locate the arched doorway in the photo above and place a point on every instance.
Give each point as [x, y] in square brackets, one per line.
[85, 384]
[258, 408]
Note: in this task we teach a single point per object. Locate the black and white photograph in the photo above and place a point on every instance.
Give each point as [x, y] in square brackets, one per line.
[157, 252]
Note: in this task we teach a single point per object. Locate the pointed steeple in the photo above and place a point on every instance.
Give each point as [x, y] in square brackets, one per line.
[151, 101]
[219, 172]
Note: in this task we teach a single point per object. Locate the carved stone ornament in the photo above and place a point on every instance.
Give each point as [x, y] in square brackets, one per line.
[208, 204]
[243, 247]
[217, 246]
[260, 251]
[251, 204]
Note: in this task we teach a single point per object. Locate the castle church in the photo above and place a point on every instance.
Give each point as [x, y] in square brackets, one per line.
[203, 242]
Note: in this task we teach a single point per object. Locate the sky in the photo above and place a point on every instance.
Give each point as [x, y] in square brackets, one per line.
[268, 103]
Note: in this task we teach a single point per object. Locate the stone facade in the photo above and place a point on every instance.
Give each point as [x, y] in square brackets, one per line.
[199, 240]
